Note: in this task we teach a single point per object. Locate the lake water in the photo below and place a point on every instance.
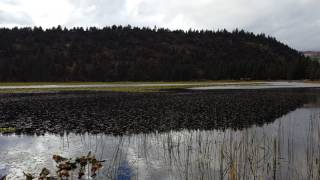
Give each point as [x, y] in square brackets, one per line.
[286, 148]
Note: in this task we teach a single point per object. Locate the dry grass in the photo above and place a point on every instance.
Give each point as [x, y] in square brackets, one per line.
[151, 87]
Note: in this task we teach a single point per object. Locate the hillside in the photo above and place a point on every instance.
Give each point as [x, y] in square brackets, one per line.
[141, 54]
[315, 55]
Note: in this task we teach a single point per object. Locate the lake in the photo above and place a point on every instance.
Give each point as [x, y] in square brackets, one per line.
[247, 134]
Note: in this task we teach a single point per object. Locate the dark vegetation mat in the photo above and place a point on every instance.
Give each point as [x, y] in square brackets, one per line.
[121, 113]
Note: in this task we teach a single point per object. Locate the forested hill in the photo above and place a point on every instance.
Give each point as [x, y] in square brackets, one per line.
[141, 54]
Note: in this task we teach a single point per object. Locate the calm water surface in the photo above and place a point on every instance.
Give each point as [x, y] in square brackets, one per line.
[288, 148]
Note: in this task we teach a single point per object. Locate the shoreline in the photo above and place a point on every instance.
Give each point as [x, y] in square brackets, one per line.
[43, 87]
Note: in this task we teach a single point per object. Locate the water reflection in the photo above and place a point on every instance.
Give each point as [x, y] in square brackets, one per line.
[289, 148]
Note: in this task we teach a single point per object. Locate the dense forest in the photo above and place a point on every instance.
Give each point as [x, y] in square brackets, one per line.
[125, 53]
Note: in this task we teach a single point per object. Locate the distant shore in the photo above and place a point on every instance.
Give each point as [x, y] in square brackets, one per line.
[25, 87]
[34, 87]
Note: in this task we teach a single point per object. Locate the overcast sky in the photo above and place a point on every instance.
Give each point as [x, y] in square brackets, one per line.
[295, 22]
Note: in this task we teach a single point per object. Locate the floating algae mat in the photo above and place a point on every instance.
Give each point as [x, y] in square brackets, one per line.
[202, 135]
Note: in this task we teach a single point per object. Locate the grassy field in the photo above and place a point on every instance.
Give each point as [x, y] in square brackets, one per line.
[151, 87]
[112, 89]
[124, 82]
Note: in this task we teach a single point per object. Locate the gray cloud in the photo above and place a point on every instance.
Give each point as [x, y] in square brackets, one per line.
[295, 22]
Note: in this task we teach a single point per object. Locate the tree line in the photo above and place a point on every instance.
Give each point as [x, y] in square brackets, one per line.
[125, 53]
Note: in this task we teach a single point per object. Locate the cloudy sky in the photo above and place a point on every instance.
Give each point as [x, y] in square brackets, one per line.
[295, 22]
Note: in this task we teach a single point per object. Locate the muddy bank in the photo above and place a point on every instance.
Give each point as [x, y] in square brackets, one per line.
[119, 113]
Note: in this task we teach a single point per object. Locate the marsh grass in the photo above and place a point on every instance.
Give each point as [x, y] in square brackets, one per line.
[234, 155]
[128, 82]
